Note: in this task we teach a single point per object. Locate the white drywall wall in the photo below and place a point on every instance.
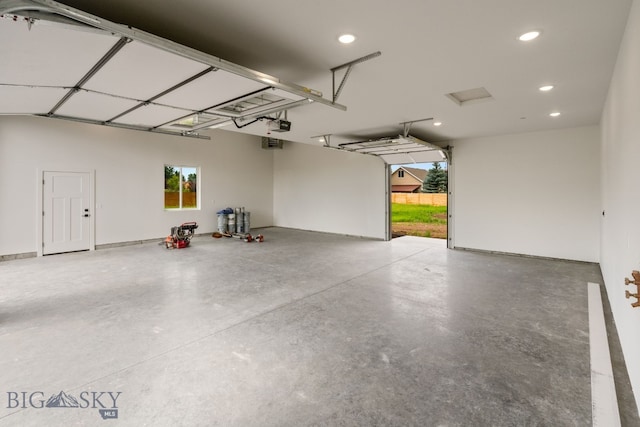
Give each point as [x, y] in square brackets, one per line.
[532, 193]
[320, 189]
[128, 166]
[620, 250]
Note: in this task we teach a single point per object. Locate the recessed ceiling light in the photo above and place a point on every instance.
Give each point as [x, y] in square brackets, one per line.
[529, 36]
[546, 88]
[437, 123]
[554, 114]
[346, 38]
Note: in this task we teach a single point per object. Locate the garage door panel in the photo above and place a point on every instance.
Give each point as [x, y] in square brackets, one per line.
[397, 150]
[28, 100]
[415, 157]
[212, 89]
[66, 64]
[152, 115]
[95, 106]
[142, 72]
[48, 55]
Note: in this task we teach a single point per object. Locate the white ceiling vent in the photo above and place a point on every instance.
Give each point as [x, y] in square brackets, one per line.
[470, 96]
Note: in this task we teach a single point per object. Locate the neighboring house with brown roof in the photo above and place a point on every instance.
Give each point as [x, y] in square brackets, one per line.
[408, 180]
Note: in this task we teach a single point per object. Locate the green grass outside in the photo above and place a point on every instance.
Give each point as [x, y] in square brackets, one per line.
[418, 213]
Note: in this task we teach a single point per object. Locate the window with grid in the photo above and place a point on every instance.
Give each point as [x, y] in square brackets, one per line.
[181, 187]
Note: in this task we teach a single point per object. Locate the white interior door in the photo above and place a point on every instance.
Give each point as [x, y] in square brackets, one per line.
[66, 212]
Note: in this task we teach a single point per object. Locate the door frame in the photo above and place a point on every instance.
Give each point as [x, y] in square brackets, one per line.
[40, 206]
[387, 203]
[450, 202]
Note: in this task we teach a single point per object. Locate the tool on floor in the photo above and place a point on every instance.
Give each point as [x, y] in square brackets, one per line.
[180, 235]
[246, 237]
[635, 281]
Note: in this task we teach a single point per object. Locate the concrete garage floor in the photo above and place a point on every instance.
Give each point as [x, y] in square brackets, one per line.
[303, 329]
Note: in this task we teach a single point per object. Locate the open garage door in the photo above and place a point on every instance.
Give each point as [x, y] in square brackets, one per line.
[62, 63]
[402, 150]
[399, 150]
[419, 200]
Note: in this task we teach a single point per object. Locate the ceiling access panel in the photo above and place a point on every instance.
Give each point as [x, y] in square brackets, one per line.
[48, 54]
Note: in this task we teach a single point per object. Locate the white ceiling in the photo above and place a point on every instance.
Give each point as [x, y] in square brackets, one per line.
[429, 48]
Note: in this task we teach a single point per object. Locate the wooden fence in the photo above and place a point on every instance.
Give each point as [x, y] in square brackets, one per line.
[436, 199]
[172, 200]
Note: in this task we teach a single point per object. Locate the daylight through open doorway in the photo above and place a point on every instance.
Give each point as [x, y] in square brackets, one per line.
[419, 200]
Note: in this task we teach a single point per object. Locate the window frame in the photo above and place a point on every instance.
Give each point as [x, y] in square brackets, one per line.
[181, 188]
